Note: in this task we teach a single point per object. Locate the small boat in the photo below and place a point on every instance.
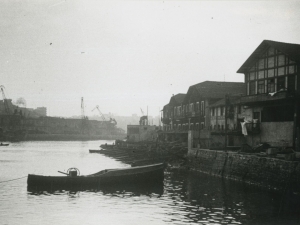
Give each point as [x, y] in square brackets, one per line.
[95, 150]
[1, 144]
[148, 174]
[107, 146]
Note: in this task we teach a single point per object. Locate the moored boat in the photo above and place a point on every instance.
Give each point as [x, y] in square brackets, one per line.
[107, 146]
[95, 150]
[1, 144]
[148, 174]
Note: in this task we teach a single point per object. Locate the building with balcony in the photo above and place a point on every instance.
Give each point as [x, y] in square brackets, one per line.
[190, 111]
[272, 86]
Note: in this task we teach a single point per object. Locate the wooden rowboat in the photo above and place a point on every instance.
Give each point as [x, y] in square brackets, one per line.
[148, 174]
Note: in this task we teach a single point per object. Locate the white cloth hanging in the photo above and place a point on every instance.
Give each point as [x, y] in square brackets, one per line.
[244, 128]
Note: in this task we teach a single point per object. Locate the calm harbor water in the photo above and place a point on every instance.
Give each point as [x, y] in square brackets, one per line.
[186, 197]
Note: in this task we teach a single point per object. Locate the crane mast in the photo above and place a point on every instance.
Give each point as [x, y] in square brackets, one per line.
[6, 107]
[82, 109]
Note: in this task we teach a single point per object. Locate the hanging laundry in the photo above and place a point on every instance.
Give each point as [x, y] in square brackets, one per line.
[244, 128]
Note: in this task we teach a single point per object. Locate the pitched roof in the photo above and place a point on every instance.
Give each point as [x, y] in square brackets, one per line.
[291, 50]
[177, 99]
[165, 107]
[218, 89]
[232, 100]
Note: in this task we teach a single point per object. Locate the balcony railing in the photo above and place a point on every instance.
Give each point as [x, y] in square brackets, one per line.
[264, 97]
[252, 128]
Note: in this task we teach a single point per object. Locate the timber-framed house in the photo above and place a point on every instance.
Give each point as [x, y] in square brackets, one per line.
[272, 80]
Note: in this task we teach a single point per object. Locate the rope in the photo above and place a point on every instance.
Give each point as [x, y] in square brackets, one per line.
[12, 179]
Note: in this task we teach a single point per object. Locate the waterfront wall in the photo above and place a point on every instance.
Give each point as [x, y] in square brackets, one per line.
[265, 172]
[273, 133]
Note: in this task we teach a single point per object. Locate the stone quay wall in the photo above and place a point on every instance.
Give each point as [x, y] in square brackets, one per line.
[265, 172]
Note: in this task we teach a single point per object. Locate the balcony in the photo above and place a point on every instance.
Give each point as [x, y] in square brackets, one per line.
[261, 98]
[252, 128]
[166, 120]
[177, 130]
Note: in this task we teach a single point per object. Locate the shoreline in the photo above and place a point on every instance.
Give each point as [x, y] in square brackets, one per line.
[72, 137]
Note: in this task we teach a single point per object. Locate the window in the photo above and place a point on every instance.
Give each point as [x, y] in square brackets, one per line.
[280, 83]
[256, 115]
[271, 73]
[198, 107]
[213, 111]
[271, 62]
[271, 85]
[281, 60]
[261, 74]
[261, 87]
[252, 76]
[291, 69]
[281, 71]
[192, 107]
[202, 108]
[252, 87]
[222, 111]
[261, 64]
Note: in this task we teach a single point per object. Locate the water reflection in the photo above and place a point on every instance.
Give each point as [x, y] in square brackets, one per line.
[202, 198]
[123, 190]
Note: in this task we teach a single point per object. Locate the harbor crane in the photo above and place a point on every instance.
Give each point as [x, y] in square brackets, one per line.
[6, 107]
[102, 116]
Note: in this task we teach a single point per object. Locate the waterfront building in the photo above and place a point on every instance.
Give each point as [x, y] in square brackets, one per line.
[142, 132]
[226, 116]
[192, 112]
[272, 86]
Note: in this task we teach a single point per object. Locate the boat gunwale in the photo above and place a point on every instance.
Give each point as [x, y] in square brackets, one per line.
[109, 172]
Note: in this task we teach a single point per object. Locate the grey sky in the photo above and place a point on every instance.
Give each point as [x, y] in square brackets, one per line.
[125, 55]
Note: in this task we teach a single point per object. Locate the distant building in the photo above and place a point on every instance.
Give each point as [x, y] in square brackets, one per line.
[42, 111]
[137, 133]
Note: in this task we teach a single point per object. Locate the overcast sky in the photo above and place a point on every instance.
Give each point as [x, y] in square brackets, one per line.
[127, 55]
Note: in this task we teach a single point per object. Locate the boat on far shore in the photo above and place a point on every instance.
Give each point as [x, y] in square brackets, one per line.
[1, 144]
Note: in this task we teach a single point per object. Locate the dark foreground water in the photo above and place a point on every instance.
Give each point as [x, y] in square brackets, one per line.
[185, 198]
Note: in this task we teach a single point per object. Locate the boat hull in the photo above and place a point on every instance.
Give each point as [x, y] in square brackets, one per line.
[95, 151]
[151, 174]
